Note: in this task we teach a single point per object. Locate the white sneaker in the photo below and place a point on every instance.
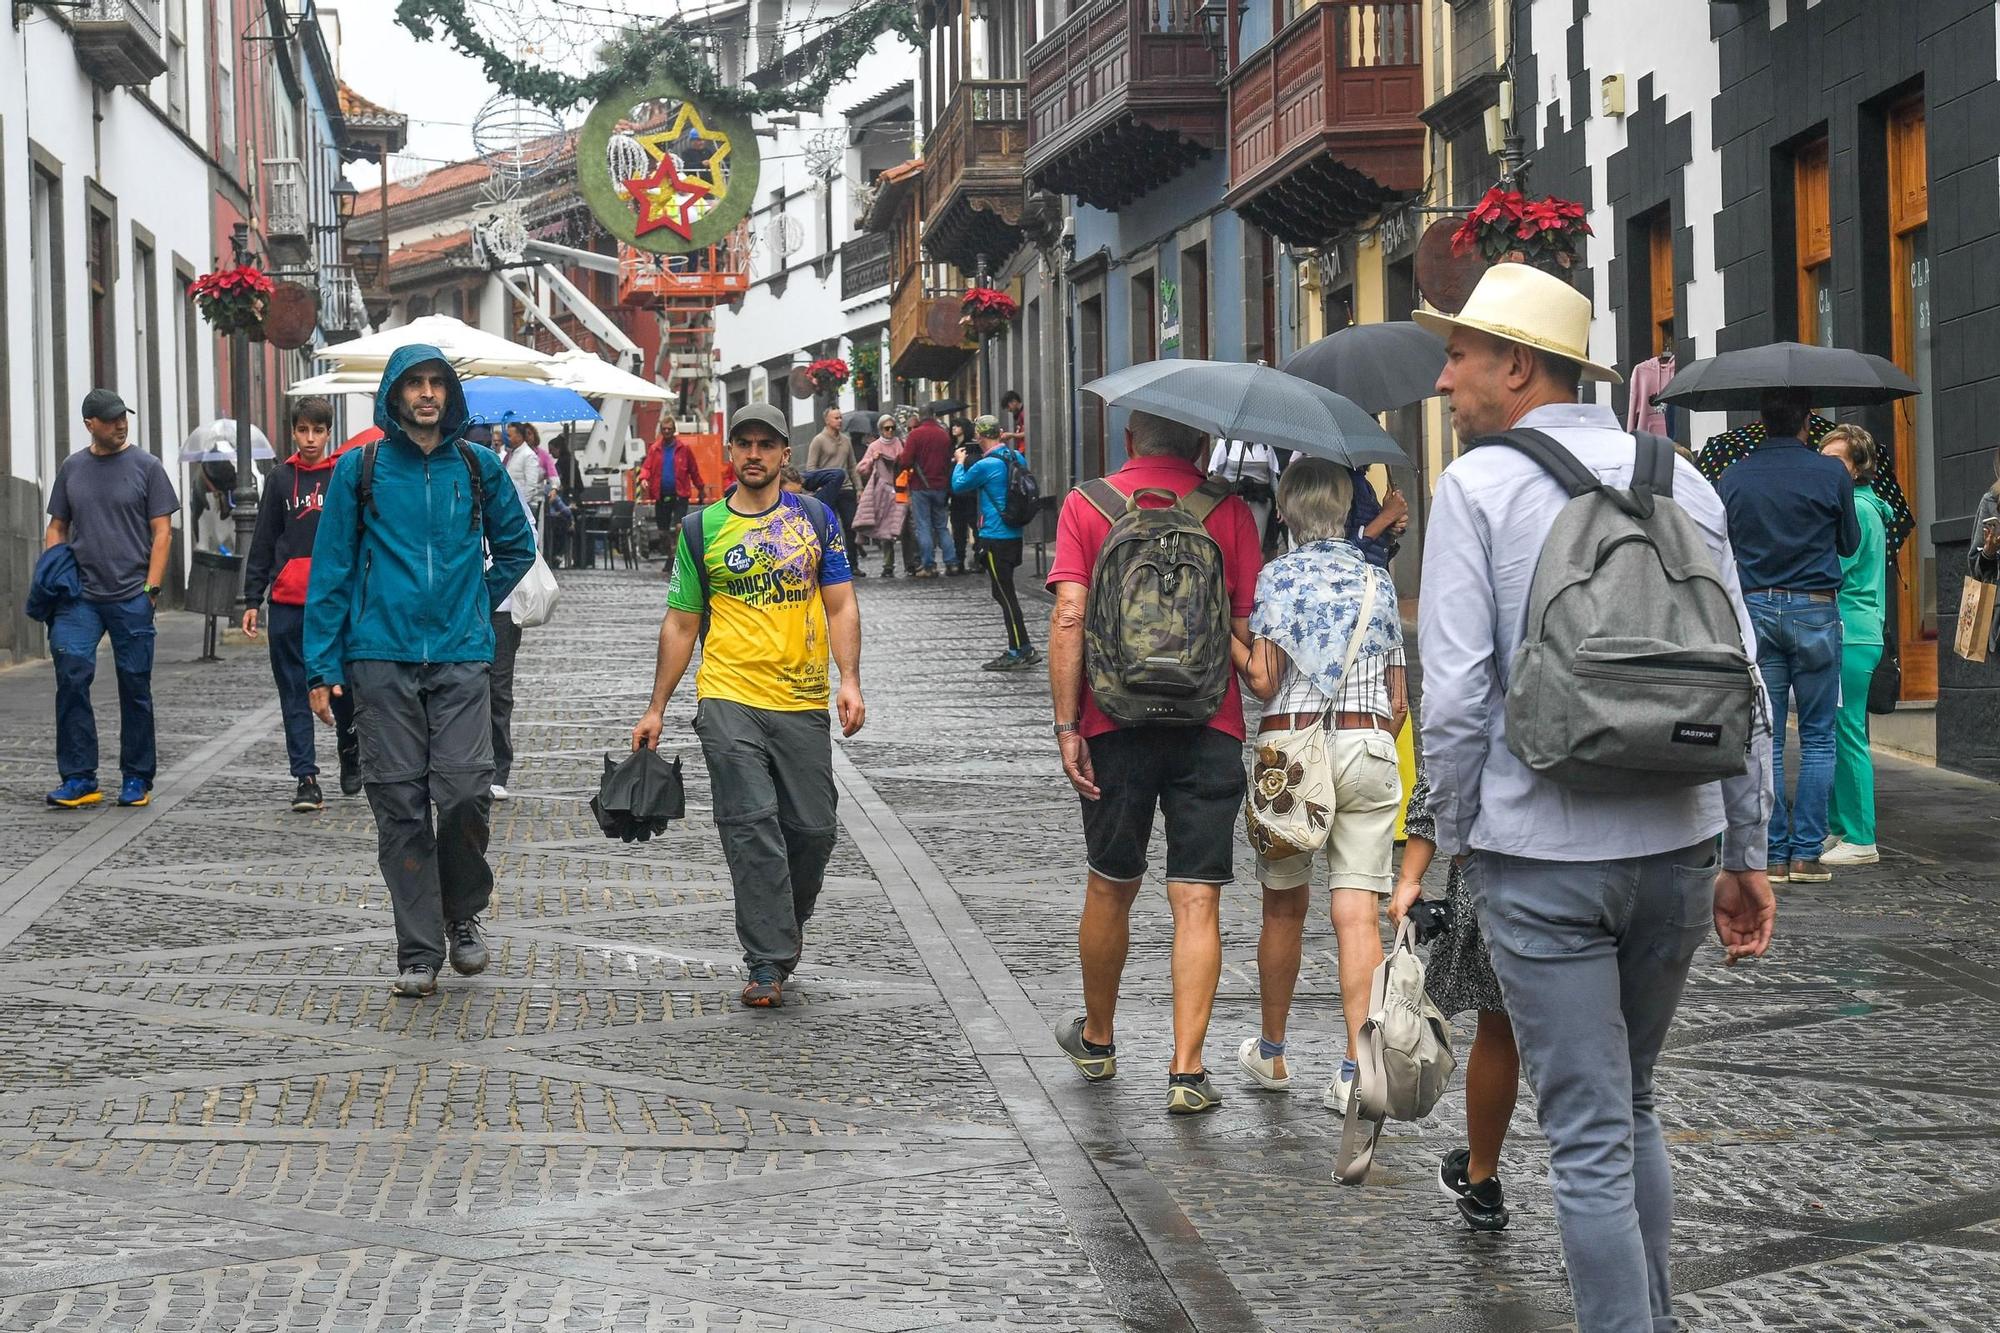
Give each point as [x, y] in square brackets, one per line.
[500, 793]
[1852, 854]
[1262, 1072]
[1337, 1094]
[1833, 840]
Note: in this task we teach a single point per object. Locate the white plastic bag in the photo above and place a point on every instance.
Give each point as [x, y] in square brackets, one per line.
[535, 597]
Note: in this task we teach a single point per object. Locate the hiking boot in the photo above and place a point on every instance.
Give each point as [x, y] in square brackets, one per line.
[135, 791]
[1852, 854]
[1191, 1094]
[468, 947]
[350, 774]
[766, 988]
[1483, 1206]
[307, 798]
[414, 983]
[74, 794]
[1810, 872]
[1096, 1063]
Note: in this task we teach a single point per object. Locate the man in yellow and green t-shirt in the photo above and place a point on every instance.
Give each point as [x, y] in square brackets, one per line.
[761, 581]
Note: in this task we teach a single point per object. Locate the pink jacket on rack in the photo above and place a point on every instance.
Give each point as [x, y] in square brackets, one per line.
[1648, 378]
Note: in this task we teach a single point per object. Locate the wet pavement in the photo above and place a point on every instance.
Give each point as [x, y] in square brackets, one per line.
[214, 1116]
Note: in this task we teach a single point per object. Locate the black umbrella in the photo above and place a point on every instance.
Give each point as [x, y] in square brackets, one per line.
[638, 797]
[939, 407]
[860, 421]
[1378, 367]
[1828, 376]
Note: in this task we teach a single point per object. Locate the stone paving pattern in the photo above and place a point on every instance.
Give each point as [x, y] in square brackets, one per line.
[213, 1115]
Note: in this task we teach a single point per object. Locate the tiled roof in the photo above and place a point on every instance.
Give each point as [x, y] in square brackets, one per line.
[889, 189]
[417, 253]
[356, 108]
[427, 186]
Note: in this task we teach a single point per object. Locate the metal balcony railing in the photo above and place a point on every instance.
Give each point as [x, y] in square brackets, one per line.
[286, 215]
[118, 41]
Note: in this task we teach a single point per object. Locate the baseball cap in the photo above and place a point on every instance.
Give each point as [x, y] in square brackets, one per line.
[763, 414]
[987, 425]
[104, 405]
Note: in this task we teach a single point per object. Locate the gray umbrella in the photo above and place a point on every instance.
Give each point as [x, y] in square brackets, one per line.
[1256, 403]
[1829, 376]
[1379, 367]
[860, 421]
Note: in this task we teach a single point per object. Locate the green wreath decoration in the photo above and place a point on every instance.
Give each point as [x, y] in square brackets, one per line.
[614, 210]
[667, 50]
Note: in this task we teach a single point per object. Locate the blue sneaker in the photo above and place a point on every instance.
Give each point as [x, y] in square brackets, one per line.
[136, 791]
[75, 793]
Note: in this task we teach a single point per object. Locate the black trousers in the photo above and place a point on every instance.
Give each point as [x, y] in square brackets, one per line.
[500, 689]
[964, 519]
[667, 516]
[1000, 557]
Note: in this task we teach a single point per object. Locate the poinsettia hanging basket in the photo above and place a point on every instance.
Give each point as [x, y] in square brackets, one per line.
[1508, 227]
[987, 310]
[827, 374]
[233, 300]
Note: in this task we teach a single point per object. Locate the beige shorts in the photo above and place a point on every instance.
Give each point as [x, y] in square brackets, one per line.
[1360, 849]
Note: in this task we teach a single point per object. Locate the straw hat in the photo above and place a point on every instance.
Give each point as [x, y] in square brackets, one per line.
[1527, 306]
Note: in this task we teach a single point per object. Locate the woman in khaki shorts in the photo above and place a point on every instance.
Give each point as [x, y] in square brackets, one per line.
[1307, 626]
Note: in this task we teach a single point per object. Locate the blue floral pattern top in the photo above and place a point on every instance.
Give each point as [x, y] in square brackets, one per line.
[1308, 600]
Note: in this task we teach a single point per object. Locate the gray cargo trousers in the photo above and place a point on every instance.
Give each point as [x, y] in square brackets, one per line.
[770, 777]
[426, 734]
[1592, 957]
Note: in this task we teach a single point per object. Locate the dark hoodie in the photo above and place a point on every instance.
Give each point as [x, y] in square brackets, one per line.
[411, 584]
[286, 522]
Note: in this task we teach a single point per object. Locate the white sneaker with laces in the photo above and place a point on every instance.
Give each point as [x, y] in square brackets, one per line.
[1833, 840]
[1852, 854]
[1338, 1092]
[500, 793]
[1262, 1072]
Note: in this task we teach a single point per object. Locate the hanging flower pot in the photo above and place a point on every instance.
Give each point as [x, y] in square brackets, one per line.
[987, 311]
[827, 374]
[1508, 228]
[233, 300]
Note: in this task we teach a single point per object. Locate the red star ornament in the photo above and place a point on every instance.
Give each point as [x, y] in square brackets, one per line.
[665, 199]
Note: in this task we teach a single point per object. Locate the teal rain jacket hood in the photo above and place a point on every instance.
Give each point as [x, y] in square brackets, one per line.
[409, 581]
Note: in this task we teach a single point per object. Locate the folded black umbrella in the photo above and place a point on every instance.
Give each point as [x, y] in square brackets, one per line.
[639, 796]
[1828, 376]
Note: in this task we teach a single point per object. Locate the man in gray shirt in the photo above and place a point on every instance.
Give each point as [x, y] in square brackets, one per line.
[113, 504]
[1592, 903]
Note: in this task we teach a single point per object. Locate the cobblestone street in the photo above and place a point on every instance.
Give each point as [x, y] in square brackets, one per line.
[213, 1115]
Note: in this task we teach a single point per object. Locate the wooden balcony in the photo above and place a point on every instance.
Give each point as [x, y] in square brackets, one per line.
[972, 180]
[702, 277]
[1323, 127]
[865, 266]
[1121, 99]
[926, 339]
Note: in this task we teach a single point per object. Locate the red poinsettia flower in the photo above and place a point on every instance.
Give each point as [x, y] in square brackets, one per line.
[1499, 205]
[1466, 239]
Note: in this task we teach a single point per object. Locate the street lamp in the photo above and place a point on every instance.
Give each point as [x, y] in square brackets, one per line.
[345, 197]
[1215, 17]
[239, 360]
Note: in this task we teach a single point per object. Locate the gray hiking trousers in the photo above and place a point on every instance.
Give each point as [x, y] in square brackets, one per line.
[770, 777]
[426, 733]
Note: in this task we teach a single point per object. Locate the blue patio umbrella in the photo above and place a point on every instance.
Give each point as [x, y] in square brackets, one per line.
[491, 400]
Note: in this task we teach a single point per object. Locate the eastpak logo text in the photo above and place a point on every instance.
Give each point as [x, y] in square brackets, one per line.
[1697, 733]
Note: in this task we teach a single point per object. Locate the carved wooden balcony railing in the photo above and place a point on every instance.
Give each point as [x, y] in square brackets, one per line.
[973, 182]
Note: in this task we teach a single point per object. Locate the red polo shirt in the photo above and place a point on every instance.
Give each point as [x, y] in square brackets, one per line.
[1080, 534]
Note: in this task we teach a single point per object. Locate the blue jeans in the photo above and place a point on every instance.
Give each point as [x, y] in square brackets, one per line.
[286, 626]
[1592, 957]
[79, 627]
[931, 512]
[1798, 650]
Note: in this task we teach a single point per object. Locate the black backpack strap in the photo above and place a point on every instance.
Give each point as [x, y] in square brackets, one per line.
[1553, 459]
[478, 482]
[364, 491]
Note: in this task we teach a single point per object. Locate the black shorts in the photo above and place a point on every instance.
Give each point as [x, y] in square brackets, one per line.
[1195, 776]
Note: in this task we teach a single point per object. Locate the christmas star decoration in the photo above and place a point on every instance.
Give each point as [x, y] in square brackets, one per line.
[689, 121]
[666, 199]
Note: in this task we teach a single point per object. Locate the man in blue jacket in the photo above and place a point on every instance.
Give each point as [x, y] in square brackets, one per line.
[999, 550]
[399, 612]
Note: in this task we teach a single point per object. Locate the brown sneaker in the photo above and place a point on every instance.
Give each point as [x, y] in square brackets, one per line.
[766, 990]
[1810, 872]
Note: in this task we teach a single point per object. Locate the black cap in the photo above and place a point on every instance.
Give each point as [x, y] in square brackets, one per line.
[104, 405]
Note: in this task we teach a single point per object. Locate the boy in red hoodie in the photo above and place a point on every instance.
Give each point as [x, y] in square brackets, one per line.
[287, 521]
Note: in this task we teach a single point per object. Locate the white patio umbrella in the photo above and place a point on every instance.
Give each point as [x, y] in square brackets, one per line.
[337, 381]
[471, 351]
[594, 377]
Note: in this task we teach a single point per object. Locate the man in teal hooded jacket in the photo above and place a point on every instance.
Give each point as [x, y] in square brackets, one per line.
[399, 613]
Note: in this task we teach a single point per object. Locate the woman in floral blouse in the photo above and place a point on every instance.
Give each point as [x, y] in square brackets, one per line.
[1309, 614]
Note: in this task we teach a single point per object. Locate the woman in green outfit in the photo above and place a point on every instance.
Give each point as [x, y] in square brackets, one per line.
[1851, 813]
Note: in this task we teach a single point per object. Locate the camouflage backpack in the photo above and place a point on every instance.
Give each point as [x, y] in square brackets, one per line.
[1156, 629]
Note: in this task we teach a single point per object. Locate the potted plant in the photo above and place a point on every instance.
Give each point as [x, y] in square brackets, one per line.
[987, 310]
[233, 300]
[827, 374]
[867, 366]
[1507, 227]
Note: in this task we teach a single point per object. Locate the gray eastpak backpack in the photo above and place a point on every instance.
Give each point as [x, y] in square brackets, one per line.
[1632, 674]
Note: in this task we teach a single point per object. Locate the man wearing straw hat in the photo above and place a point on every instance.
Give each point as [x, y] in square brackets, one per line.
[1593, 903]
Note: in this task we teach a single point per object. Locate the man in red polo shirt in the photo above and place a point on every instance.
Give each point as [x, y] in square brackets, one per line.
[1193, 776]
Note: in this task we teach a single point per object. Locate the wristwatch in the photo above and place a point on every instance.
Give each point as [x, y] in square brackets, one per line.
[152, 590]
[1064, 728]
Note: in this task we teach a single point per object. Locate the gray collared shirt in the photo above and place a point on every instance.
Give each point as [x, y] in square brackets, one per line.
[1493, 509]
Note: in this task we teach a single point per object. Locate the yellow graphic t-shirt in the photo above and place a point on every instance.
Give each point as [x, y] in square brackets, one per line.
[766, 645]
